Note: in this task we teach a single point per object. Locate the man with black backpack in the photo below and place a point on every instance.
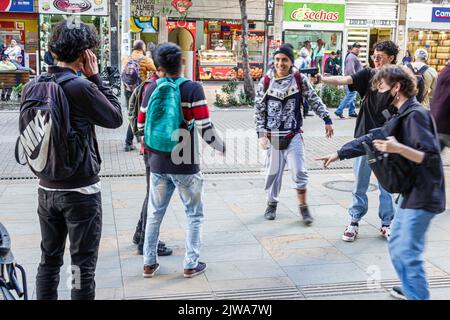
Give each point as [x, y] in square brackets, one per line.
[136, 69]
[425, 75]
[58, 115]
[278, 119]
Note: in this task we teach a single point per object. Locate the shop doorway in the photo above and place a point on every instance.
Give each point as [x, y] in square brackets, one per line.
[377, 35]
[185, 39]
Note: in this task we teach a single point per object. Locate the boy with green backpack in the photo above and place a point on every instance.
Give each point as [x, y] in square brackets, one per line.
[176, 110]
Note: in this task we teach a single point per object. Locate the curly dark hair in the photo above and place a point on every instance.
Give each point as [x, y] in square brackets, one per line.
[397, 74]
[168, 56]
[69, 41]
[388, 47]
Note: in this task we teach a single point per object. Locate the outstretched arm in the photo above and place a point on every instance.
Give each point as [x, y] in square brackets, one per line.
[335, 80]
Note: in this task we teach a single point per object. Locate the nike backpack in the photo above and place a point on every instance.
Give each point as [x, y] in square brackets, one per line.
[47, 143]
[164, 116]
[131, 74]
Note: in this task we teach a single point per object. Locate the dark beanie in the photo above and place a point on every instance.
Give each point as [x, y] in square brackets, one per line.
[287, 50]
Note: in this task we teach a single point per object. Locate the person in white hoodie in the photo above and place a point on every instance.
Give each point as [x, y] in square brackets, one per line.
[14, 50]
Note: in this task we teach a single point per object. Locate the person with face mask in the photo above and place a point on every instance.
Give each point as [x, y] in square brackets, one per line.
[413, 137]
[370, 116]
[278, 121]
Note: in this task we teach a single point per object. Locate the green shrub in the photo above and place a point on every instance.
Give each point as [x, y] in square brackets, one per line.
[229, 97]
[332, 96]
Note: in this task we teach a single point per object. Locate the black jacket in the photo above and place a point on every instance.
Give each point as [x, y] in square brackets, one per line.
[417, 131]
[91, 104]
[440, 104]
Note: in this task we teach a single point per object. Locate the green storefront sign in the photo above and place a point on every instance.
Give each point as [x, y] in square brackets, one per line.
[314, 12]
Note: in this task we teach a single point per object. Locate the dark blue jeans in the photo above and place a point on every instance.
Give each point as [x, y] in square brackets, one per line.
[79, 216]
[143, 218]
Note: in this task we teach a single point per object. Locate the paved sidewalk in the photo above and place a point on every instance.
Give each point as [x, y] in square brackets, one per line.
[233, 124]
[247, 256]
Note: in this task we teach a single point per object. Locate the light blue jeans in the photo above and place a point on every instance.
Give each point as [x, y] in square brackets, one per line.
[406, 246]
[349, 100]
[360, 204]
[190, 189]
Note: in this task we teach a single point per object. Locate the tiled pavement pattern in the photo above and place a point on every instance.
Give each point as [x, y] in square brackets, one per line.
[247, 256]
[232, 123]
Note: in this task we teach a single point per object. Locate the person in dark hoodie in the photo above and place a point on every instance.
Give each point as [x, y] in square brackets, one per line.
[440, 106]
[413, 137]
[73, 207]
[279, 120]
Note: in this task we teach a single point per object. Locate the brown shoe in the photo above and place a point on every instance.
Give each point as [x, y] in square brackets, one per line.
[149, 271]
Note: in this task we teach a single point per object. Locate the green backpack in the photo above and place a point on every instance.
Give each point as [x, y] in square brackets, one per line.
[164, 115]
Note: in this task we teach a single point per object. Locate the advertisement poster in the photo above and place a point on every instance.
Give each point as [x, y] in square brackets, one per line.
[81, 7]
[16, 5]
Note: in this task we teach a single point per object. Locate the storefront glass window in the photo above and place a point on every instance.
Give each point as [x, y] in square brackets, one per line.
[331, 39]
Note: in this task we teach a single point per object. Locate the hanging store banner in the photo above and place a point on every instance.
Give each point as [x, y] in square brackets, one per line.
[270, 11]
[81, 7]
[441, 15]
[314, 12]
[16, 5]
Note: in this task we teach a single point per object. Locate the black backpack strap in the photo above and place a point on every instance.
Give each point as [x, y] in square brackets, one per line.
[422, 70]
[410, 66]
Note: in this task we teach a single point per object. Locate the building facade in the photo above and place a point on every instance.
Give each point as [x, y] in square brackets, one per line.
[19, 21]
[428, 27]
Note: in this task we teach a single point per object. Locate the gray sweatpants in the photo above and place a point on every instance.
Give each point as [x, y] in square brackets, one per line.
[276, 160]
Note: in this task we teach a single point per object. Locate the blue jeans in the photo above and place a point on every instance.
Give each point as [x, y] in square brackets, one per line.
[190, 189]
[406, 246]
[349, 100]
[360, 204]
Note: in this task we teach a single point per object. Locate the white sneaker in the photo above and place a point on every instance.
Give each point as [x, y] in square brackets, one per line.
[385, 232]
[350, 233]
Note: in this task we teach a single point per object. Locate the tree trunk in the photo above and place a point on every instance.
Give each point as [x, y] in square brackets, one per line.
[249, 87]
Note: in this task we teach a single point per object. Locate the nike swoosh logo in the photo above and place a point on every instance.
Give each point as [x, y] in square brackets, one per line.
[39, 163]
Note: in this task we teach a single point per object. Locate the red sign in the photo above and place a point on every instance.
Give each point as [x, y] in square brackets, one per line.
[189, 25]
[182, 6]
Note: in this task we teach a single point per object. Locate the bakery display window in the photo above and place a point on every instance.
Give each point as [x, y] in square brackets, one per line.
[437, 43]
[217, 65]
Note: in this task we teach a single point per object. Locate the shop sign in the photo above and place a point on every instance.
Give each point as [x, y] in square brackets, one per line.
[270, 11]
[366, 22]
[81, 7]
[182, 6]
[17, 6]
[441, 15]
[143, 8]
[314, 12]
[189, 25]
